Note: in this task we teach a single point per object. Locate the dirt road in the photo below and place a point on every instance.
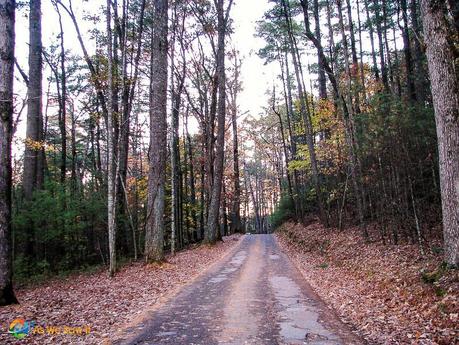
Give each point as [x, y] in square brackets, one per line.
[255, 295]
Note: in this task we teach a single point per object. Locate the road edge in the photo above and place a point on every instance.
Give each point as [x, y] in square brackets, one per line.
[123, 334]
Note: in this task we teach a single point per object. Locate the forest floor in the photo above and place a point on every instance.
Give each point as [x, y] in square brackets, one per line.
[389, 293]
[105, 305]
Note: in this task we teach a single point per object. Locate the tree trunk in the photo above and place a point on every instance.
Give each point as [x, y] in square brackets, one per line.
[445, 90]
[63, 101]
[398, 82]
[284, 146]
[129, 83]
[379, 31]
[321, 72]
[214, 206]
[407, 52]
[372, 40]
[7, 8]
[420, 74]
[33, 143]
[355, 61]
[386, 43]
[235, 225]
[111, 164]
[176, 101]
[34, 110]
[361, 66]
[73, 175]
[189, 148]
[154, 236]
[202, 201]
[289, 105]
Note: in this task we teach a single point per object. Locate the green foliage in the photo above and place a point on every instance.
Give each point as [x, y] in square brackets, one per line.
[63, 224]
[283, 212]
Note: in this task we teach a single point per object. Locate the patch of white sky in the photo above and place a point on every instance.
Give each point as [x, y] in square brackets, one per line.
[256, 77]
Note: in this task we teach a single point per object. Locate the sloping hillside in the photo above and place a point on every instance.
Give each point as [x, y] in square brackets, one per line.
[390, 293]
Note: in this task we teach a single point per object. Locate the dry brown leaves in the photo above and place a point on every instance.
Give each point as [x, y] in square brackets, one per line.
[377, 288]
[106, 304]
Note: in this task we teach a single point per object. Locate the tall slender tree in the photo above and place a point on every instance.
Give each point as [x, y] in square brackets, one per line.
[379, 30]
[235, 225]
[33, 173]
[62, 101]
[154, 235]
[321, 71]
[407, 51]
[7, 16]
[215, 197]
[111, 159]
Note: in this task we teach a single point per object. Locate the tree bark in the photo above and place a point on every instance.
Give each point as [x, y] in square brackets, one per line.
[7, 16]
[193, 204]
[154, 236]
[407, 52]
[372, 40]
[62, 100]
[32, 178]
[420, 74]
[235, 225]
[111, 163]
[355, 61]
[321, 72]
[361, 65]
[445, 90]
[34, 105]
[214, 206]
[379, 31]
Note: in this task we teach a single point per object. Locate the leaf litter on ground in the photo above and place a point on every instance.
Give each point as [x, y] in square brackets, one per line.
[106, 304]
[382, 291]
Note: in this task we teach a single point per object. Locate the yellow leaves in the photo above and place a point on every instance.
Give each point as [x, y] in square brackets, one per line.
[34, 145]
[329, 135]
[38, 145]
[325, 114]
[299, 165]
[330, 138]
[303, 161]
